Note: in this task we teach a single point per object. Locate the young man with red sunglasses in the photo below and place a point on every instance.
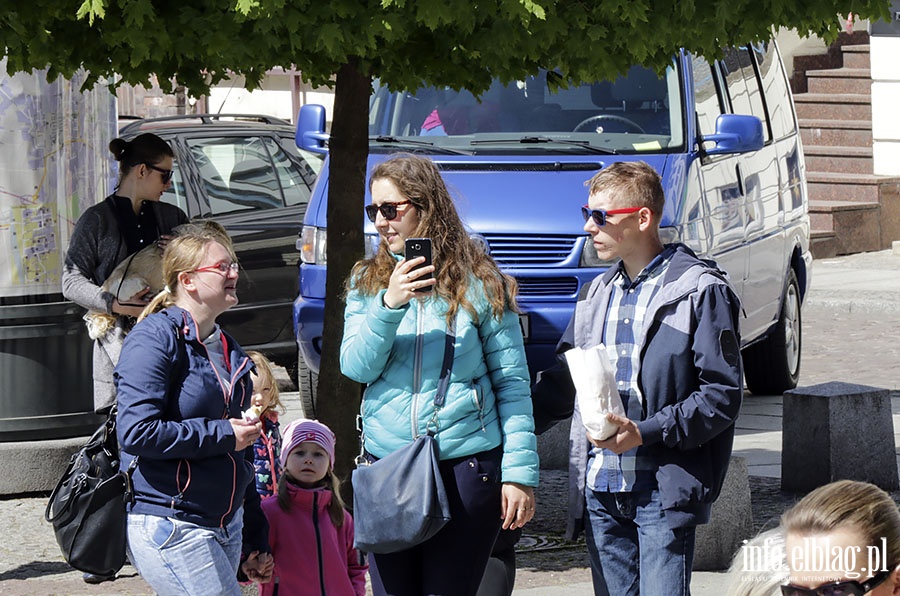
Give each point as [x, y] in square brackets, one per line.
[669, 321]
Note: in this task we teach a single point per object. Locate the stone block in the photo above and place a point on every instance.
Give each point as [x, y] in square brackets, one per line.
[835, 431]
[730, 524]
[35, 466]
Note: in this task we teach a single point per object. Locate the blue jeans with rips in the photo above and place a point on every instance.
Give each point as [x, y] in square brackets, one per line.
[177, 557]
[633, 550]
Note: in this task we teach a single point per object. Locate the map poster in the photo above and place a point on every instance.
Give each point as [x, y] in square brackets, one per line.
[54, 164]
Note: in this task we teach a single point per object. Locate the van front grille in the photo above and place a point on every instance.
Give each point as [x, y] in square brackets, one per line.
[530, 251]
[547, 286]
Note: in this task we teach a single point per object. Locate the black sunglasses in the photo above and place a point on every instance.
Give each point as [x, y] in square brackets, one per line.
[844, 588]
[166, 174]
[388, 210]
[599, 215]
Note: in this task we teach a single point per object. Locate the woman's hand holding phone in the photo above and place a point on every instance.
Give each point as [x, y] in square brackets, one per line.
[411, 276]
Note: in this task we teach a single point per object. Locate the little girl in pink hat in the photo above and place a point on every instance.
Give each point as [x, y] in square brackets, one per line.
[307, 518]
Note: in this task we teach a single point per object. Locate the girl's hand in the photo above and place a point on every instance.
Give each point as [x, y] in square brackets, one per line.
[259, 567]
[404, 280]
[516, 505]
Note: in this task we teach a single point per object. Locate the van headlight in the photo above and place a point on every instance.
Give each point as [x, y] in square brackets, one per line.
[589, 256]
[311, 244]
[371, 244]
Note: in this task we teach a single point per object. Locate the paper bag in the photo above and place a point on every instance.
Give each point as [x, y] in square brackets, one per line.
[595, 389]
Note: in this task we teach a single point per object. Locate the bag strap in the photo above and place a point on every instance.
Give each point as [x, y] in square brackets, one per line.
[446, 366]
[440, 395]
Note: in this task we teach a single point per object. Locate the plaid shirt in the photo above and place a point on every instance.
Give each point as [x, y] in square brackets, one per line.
[633, 470]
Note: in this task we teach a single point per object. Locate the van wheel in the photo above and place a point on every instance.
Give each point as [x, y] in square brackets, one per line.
[772, 366]
[307, 382]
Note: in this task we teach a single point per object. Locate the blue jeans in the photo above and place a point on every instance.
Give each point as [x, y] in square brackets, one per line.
[633, 550]
[177, 557]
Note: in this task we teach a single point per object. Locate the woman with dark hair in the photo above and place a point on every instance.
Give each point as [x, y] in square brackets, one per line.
[394, 342]
[107, 233]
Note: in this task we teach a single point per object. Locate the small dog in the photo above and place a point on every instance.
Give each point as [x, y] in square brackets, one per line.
[141, 270]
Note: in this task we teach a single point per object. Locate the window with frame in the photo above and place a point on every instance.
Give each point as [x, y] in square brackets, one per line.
[707, 100]
[777, 92]
[743, 87]
[237, 173]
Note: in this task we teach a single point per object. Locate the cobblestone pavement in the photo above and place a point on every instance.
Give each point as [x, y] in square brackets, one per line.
[849, 334]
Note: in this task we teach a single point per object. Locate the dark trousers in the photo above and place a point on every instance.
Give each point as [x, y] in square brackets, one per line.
[453, 561]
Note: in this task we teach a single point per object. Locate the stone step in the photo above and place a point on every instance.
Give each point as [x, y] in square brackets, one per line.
[834, 186]
[836, 106]
[845, 133]
[855, 224]
[823, 244]
[856, 56]
[848, 160]
[840, 80]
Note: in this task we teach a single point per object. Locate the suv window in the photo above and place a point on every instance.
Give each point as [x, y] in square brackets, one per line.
[236, 174]
[294, 188]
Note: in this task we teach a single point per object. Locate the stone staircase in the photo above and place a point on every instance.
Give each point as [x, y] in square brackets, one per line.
[851, 209]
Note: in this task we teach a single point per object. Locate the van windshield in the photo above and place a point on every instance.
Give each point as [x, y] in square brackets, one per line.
[636, 113]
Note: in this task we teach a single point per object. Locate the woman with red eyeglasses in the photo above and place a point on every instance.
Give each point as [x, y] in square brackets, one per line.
[183, 387]
[843, 539]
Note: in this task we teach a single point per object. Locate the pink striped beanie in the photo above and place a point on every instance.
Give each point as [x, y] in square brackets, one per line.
[302, 430]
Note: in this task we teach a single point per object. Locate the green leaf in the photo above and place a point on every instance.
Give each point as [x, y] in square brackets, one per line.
[91, 9]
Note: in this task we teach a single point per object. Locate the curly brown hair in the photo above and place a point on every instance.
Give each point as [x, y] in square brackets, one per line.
[456, 256]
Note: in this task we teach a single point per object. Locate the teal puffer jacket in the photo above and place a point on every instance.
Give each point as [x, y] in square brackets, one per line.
[397, 353]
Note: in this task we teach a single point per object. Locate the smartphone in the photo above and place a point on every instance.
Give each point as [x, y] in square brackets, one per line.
[420, 247]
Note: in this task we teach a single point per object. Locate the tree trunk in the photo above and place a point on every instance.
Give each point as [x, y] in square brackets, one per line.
[338, 398]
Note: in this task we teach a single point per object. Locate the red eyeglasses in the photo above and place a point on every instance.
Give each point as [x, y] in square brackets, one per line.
[222, 267]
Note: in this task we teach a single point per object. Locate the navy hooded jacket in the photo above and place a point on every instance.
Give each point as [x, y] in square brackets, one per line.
[173, 411]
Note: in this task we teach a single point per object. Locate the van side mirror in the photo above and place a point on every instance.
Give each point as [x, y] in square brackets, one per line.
[311, 134]
[736, 133]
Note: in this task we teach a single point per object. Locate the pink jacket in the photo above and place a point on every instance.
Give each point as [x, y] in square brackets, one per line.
[312, 556]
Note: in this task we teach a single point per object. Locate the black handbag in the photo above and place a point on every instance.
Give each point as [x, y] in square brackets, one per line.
[88, 506]
[399, 501]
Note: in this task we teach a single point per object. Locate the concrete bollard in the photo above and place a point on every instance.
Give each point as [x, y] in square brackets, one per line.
[729, 525]
[837, 431]
[553, 446]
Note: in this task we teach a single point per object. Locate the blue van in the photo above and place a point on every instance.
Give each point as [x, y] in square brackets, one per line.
[722, 134]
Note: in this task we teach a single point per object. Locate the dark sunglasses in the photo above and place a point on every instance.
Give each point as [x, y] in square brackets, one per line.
[599, 215]
[845, 588]
[388, 210]
[166, 174]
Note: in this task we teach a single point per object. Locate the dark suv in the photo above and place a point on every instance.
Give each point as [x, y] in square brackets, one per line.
[247, 173]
